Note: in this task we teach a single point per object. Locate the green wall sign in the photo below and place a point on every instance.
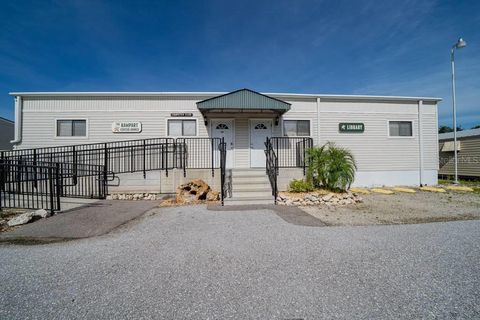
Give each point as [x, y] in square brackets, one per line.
[351, 127]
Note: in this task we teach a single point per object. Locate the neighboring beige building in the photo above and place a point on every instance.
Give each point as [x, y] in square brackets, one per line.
[468, 146]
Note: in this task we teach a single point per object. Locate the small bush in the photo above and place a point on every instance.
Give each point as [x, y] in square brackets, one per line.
[300, 186]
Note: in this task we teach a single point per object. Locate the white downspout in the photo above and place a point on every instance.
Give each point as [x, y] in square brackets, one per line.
[18, 120]
[318, 121]
[420, 142]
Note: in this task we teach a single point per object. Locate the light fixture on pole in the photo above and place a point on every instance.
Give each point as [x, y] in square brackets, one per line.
[459, 45]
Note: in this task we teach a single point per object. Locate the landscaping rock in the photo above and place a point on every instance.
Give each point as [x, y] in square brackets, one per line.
[195, 191]
[328, 197]
[192, 191]
[318, 198]
[21, 219]
[41, 213]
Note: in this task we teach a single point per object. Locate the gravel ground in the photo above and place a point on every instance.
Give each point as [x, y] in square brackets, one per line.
[191, 263]
[400, 208]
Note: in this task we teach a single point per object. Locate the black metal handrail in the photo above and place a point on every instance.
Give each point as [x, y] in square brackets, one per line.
[223, 160]
[272, 167]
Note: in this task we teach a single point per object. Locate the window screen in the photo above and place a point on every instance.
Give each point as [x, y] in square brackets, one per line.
[71, 128]
[179, 128]
[293, 128]
[400, 128]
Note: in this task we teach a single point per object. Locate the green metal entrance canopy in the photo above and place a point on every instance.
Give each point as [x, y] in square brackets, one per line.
[243, 99]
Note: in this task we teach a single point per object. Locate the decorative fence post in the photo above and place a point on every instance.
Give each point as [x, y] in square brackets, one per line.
[144, 160]
[58, 185]
[213, 156]
[50, 187]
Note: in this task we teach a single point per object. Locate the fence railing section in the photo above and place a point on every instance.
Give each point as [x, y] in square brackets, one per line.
[83, 180]
[84, 170]
[118, 156]
[29, 186]
[291, 151]
[272, 167]
[198, 153]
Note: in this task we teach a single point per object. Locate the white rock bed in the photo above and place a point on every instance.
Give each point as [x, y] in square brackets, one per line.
[135, 196]
[314, 199]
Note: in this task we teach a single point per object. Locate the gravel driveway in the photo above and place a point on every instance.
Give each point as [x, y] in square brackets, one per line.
[191, 263]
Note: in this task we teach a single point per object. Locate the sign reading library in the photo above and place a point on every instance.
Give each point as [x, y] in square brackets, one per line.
[126, 127]
[351, 127]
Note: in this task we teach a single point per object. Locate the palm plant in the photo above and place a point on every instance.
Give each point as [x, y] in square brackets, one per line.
[330, 167]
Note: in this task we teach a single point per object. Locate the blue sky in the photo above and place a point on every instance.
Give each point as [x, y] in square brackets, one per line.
[388, 47]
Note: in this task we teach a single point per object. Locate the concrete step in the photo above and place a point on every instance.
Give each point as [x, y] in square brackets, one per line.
[250, 180]
[251, 194]
[248, 173]
[251, 186]
[249, 201]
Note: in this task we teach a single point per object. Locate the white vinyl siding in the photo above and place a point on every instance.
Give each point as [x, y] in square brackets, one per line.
[39, 114]
[373, 149]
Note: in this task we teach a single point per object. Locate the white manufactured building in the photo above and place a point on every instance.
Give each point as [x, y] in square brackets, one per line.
[393, 139]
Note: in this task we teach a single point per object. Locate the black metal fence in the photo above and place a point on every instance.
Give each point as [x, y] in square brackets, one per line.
[119, 156]
[83, 171]
[25, 185]
[29, 185]
[198, 153]
[88, 181]
[291, 151]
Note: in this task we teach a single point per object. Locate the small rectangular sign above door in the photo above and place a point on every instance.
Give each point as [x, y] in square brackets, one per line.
[344, 127]
[181, 114]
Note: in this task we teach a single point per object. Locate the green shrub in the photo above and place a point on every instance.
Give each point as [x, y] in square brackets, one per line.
[300, 186]
[330, 167]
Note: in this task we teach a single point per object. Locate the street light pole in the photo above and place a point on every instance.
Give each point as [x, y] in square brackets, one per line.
[460, 44]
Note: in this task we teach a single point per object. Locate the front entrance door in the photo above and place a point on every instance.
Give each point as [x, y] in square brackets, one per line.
[259, 131]
[224, 129]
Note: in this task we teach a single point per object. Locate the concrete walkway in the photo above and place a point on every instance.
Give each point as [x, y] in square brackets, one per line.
[93, 219]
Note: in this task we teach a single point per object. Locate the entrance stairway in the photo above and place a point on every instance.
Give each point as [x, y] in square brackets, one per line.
[250, 186]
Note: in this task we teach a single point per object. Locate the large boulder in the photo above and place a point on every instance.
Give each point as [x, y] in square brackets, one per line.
[195, 191]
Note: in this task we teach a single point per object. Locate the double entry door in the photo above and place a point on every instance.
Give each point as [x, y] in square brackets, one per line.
[259, 129]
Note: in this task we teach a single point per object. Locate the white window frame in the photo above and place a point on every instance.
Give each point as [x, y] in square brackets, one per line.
[294, 119]
[181, 118]
[401, 137]
[56, 136]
